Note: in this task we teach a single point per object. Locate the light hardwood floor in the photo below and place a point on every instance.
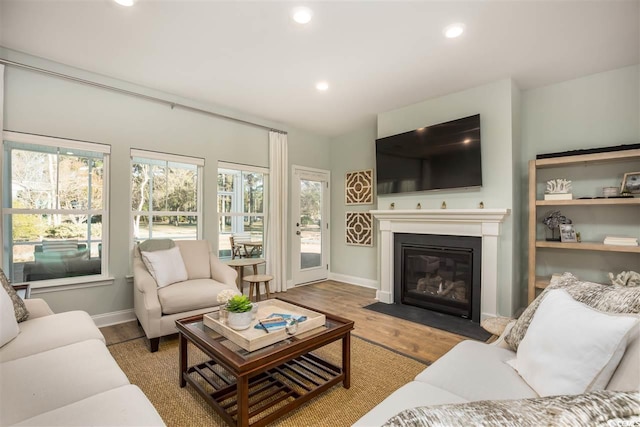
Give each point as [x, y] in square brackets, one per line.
[412, 339]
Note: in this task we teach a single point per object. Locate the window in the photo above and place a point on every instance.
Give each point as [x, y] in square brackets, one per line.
[241, 209]
[166, 197]
[54, 208]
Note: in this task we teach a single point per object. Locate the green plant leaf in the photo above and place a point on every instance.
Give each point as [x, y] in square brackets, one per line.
[239, 304]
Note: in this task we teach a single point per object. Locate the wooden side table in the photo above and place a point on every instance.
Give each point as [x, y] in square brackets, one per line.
[240, 263]
[254, 280]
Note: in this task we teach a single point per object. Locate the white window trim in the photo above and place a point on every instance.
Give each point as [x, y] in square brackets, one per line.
[165, 157]
[244, 168]
[49, 141]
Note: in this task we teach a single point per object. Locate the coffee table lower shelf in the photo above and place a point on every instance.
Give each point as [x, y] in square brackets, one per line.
[272, 393]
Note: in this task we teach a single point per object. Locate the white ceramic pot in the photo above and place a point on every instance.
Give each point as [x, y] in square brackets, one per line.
[240, 321]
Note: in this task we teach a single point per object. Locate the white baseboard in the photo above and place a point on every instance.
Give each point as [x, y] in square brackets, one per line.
[113, 318]
[353, 280]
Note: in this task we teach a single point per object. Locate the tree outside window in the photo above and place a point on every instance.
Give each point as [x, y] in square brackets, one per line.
[165, 196]
[53, 207]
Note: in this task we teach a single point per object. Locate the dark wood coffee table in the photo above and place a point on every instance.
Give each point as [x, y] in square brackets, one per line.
[255, 388]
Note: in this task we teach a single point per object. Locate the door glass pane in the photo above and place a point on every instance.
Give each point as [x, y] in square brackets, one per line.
[310, 223]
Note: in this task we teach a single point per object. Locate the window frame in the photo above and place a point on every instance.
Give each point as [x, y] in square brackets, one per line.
[243, 168]
[167, 158]
[67, 144]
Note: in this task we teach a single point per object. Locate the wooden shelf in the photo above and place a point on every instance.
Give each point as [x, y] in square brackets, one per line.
[623, 155]
[535, 283]
[542, 282]
[591, 202]
[587, 246]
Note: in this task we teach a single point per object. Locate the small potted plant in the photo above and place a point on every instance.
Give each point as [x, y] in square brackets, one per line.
[239, 308]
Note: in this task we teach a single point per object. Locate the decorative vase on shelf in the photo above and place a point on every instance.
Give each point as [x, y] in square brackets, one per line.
[239, 321]
[553, 235]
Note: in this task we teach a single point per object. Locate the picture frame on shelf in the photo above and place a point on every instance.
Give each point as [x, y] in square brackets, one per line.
[568, 233]
[630, 183]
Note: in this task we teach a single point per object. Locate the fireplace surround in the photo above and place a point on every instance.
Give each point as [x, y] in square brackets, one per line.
[483, 223]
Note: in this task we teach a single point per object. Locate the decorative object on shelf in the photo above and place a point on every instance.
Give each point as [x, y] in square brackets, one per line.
[558, 189]
[418, 206]
[620, 241]
[578, 237]
[610, 192]
[392, 206]
[625, 278]
[481, 205]
[240, 314]
[359, 187]
[568, 233]
[630, 183]
[552, 220]
[443, 205]
[359, 229]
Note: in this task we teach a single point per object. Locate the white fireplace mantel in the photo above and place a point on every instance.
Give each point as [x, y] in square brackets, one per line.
[483, 223]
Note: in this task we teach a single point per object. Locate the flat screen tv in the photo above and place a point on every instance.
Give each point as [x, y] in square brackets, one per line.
[438, 157]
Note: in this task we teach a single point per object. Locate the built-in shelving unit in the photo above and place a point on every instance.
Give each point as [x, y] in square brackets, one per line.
[535, 243]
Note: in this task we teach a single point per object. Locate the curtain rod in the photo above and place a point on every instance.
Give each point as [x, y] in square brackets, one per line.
[135, 94]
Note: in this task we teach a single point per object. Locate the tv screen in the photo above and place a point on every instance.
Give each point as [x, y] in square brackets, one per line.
[442, 156]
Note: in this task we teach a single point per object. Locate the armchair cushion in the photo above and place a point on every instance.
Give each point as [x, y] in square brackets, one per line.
[195, 254]
[191, 295]
[166, 266]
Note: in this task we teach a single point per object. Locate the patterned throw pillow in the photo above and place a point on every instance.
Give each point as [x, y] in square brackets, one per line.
[607, 298]
[601, 408]
[20, 309]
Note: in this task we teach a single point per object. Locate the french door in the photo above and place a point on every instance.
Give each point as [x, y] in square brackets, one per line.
[310, 225]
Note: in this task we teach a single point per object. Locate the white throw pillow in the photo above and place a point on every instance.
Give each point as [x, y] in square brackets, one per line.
[166, 267]
[571, 348]
[8, 324]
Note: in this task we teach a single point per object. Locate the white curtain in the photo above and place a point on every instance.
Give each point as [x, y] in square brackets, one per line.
[276, 248]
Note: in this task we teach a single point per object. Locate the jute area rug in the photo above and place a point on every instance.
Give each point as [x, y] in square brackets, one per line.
[375, 373]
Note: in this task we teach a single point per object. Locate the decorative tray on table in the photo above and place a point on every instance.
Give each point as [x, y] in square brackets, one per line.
[253, 338]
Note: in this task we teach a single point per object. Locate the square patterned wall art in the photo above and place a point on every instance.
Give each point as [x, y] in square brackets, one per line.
[359, 187]
[359, 229]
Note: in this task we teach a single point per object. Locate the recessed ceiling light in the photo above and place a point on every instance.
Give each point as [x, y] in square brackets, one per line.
[302, 15]
[454, 30]
[125, 2]
[322, 86]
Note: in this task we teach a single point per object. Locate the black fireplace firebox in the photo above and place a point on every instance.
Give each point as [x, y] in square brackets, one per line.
[438, 272]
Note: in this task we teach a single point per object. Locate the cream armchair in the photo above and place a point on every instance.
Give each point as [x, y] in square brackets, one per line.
[157, 308]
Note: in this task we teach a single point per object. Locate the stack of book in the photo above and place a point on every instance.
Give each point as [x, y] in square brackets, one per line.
[558, 196]
[620, 241]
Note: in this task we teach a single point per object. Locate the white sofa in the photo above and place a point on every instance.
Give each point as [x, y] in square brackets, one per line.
[58, 372]
[158, 308]
[475, 371]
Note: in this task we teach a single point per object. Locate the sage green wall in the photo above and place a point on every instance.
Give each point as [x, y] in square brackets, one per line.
[351, 152]
[41, 104]
[494, 103]
[519, 291]
[599, 110]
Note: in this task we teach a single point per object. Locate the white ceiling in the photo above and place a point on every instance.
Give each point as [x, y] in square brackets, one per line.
[376, 55]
